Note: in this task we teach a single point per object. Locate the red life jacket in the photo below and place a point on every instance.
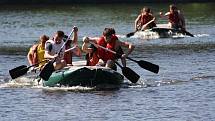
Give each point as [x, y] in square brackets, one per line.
[145, 19]
[174, 17]
[93, 59]
[103, 54]
[68, 55]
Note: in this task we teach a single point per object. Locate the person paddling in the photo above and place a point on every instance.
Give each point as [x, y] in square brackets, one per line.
[175, 18]
[91, 56]
[110, 41]
[142, 22]
[37, 51]
[52, 47]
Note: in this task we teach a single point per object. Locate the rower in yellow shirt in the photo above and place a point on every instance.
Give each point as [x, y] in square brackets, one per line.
[37, 51]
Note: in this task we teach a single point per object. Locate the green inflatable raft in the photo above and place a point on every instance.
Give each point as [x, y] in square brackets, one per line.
[89, 76]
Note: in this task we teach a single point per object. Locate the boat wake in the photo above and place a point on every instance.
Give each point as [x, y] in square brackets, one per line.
[142, 83]
[26, 82]
[153, 36]
[202, 35]
[203, 77]
[21, 82]
[34, 85]
[65, 89]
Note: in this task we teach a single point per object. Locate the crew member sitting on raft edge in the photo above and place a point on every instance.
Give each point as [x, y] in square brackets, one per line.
[145, 20]
[36, 52]
[91, 50]
[110, 41]
[175, 18]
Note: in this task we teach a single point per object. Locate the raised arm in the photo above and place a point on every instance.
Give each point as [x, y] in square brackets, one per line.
[136, 22]
[164, 15]
[75, 35]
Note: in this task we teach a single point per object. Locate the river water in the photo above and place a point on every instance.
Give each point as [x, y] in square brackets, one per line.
[183, 90]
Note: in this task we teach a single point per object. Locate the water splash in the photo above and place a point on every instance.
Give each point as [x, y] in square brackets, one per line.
[202, 35]
[21, 82]
[65, 89]
[203, 77]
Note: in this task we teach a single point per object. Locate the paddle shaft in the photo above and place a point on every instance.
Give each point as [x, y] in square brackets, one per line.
[63, 45]
[131, 59]
[37, 63]
[110, 50]
[70, 49]
[142, 28]
[144, 64]
[21, 70]
[103, 48]
[49, 67]
[118, 64]
[65, 42]
[127, 72]
[132, 33]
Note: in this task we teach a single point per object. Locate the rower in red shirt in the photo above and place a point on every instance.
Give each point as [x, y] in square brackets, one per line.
[175, 18]
[142, 22]
[110, 41]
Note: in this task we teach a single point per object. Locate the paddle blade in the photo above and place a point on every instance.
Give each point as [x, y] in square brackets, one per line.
[130, 34]
[187, 33]
[130, 74]
[18, 71]
[148, 66]
[47, 71]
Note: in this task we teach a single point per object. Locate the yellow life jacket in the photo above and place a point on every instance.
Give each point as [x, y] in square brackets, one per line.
[40, 54]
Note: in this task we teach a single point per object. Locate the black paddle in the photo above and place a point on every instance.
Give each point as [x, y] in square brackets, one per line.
[144, 64]
[160, 30]
[130, 34]
[186, 33]
[142, 28]
[49, 67]
[21, 70]
[129, 73]
[126, 71]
